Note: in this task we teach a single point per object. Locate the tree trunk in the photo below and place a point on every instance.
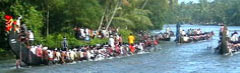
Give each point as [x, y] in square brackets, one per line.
[114, 12]
[145, 3]
[101, 22]
[48, 22]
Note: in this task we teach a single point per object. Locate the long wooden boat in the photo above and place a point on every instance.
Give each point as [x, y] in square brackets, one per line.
[195, 38]
[23, 53]
[164, 36]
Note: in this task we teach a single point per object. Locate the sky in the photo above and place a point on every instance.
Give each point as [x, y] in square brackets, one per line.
[186, 1]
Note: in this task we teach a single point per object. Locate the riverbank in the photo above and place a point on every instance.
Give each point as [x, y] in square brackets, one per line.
[54, 42]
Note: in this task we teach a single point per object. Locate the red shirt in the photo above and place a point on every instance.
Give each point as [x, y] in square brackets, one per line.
[132, 48]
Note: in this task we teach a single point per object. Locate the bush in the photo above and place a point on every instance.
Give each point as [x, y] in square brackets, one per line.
[54, 41]
[1, 50]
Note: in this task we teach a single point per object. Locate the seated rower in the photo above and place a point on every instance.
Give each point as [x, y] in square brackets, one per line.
[185, 39]
[183, 33]
[234, 37]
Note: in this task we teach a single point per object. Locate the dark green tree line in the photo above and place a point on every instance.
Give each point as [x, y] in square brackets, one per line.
[50, 20]
[205, 12]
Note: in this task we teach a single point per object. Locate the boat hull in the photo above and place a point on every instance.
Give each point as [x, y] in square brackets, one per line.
[22, 52]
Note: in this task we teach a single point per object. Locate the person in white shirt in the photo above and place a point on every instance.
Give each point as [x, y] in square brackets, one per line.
[82, 32]
[111, 41]
[31, 37]
[104, 32]
[168, 30]
[234, 37]
[183, 33]
[33, 49]
[50, 55]
[87, 31]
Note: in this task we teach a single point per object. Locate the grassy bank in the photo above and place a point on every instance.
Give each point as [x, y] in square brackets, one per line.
[54, 41]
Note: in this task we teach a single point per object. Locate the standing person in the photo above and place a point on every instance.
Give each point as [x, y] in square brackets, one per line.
[104, 32]
[132, 48]
[31, 37]
[131, 39]
[82, 33]
[65, 44]
[87, 31]
[178, 32]
[234, 37]
[111, 41]
[120, 40]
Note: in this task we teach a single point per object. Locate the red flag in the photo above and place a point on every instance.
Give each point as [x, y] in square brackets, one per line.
[8, 17]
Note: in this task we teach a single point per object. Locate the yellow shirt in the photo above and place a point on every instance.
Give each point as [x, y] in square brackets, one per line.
[131, 39]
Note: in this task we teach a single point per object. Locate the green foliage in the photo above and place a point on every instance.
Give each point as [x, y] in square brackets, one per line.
[125, 33]
[204, 12]
[54, 41]
[85, 13]
[136, 19]
[3, 36]
[159, 9]
[51, 20]
[34, 20]
[1, 50]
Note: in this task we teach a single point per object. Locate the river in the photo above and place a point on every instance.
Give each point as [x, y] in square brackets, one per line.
[197, 57]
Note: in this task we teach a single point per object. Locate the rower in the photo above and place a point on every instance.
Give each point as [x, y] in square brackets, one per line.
[183, 33]
[31, 37]
[168, 30]
[234, 37]
[111, 41]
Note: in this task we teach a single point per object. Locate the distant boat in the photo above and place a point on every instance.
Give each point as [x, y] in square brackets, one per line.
[165, 36]
[220, 24]
[205, 36]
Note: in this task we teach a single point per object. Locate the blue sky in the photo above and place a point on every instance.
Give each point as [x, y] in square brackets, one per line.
[195, 1]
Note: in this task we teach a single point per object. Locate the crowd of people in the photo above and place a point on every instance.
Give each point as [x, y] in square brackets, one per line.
[233, 41]
[115, 47]
[86, 33]
[195, 35]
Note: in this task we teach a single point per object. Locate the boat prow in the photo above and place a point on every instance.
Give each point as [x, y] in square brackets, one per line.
[22, 52]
